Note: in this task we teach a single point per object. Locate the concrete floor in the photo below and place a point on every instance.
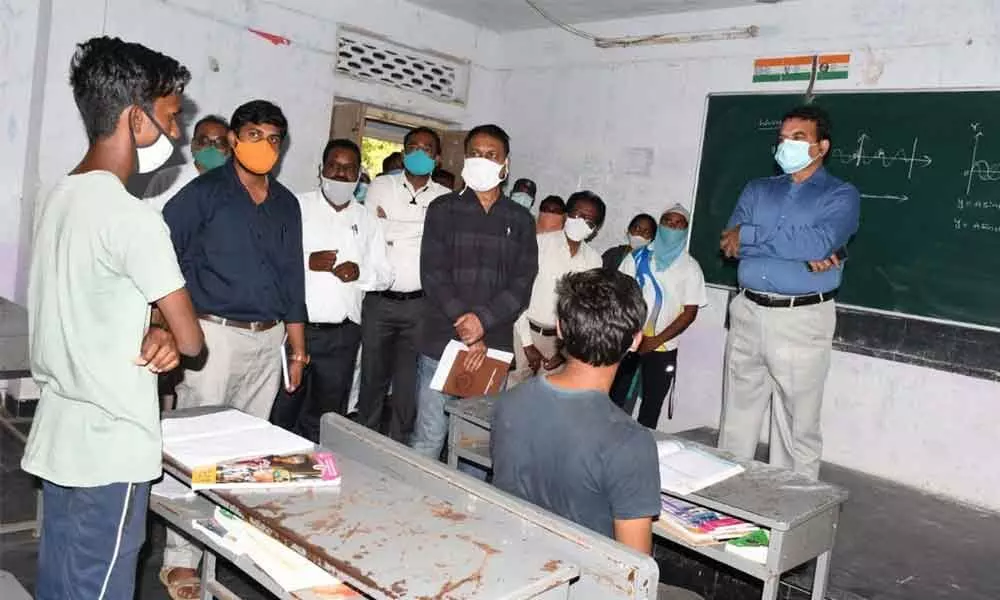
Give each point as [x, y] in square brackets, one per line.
[894, 543]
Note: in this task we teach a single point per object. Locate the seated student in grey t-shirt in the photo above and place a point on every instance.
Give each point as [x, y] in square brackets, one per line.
[560, 443]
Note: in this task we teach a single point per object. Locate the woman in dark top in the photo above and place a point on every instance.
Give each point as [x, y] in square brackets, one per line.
[641, 231]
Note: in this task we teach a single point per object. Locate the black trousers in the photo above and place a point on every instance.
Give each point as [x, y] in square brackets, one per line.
[326, 381]
[657, 374]
[388, 355]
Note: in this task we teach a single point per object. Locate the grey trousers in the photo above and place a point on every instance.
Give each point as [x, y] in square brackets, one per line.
[547, 345]
[243, 371]
[781, 357]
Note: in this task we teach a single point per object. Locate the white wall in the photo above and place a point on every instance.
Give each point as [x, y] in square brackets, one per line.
[576, 114]
[229, 66]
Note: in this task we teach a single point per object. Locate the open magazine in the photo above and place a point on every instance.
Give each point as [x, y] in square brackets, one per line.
[305, 469]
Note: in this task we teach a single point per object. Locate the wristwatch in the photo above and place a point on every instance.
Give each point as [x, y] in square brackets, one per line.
[302, 358]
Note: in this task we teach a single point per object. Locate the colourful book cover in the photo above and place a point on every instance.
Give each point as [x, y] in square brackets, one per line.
[306, 469]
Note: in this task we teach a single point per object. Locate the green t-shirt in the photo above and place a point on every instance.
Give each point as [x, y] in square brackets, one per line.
[100, 256]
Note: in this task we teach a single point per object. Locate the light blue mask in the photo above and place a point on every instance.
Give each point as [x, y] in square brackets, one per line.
[667, 246]
[419, 163]
[523, 198]
[360, 192]
[793, 155]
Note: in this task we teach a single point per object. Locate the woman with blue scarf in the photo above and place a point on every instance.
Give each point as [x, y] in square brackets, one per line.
[674, 288]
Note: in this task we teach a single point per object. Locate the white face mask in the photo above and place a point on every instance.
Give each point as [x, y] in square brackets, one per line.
[482, 174]
[155, 155]
[637, 241]
[338, 193]
[577, 229]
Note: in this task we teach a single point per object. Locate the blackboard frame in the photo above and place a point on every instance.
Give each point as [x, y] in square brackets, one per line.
[969, 349]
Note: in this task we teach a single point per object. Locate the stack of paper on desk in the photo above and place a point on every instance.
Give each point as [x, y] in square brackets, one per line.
[286, 567]
[685, 470]
[226, 435]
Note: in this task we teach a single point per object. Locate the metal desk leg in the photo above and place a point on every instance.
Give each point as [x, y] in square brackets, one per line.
[453, 438]
[207, 575]
[822, 575]
[771, 585]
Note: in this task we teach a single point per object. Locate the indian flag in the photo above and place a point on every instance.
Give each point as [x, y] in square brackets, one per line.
[799, 68]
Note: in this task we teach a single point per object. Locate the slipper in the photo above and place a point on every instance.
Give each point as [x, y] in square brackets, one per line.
[175, 588]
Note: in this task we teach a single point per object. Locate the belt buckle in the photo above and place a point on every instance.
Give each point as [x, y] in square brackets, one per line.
[255, 326]
[791, 301]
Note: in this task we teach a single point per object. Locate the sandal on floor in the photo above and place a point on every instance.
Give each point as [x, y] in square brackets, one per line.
[180, 589]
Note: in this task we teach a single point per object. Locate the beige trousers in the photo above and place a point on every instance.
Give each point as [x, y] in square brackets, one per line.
[243, 371]
[781, 357]
[547, 345]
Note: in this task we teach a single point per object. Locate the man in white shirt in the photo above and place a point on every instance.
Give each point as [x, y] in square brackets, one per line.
[674, 288]
[344, 257]
[391, 317]
[559, 253]
[209, 149]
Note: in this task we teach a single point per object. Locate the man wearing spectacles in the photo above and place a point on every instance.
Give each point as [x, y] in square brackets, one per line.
[209, 149]
[390, 318]
[238, 236]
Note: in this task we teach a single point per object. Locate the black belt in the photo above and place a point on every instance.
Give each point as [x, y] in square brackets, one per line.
[788, 301]
[400, 295]
[547, 332]
[249, 325]
[327, 325]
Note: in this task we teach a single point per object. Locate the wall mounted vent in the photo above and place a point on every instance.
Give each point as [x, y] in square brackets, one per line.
[373, 58]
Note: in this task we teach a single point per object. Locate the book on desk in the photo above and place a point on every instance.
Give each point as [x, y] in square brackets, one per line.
[684, 470]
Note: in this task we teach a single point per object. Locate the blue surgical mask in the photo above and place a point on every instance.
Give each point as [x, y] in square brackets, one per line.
[419, 163]
[793, 155]
[522, 198]
[361, 192]
[667, 246]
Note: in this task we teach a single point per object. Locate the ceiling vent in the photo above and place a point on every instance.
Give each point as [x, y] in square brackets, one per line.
[373, 58]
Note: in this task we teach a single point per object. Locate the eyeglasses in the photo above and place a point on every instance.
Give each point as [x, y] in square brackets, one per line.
[203, 141]
[256, 135]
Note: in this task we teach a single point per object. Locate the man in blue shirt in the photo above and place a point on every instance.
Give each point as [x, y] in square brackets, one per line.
[238, 237]
[785, 231]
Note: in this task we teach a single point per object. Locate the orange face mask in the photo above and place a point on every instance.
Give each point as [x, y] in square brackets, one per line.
[258, 157]
[549, 222]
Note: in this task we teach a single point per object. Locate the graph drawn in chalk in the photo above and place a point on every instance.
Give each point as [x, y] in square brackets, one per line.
[864, 156]
[978, 168]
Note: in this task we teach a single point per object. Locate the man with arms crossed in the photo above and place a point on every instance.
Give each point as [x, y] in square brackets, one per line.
[784, 231]
[559, 442]
[101, 257]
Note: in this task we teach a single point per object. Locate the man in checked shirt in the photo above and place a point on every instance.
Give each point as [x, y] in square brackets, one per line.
[478, 261]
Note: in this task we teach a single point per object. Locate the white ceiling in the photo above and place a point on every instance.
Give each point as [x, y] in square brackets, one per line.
[510, 15]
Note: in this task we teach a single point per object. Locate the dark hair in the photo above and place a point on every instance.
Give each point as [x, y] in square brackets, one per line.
[428, 131]
[109, 74]
[527, 184]
[493, 131]
[552, 204]
[811, 112]
[588, 196]
[215, 119]
[599, 314]
[388, 160]
[642, 217]
[260, 112]
[343, 144]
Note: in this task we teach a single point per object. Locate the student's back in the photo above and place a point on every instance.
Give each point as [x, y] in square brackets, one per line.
[574, 453]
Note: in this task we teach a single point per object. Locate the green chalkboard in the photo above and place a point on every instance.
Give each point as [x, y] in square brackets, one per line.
[928, 168]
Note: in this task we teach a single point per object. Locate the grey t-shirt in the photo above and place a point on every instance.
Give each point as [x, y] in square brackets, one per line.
[574, 453]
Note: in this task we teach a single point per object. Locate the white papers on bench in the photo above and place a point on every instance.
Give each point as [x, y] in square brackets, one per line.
[226, 435]
[685, 470]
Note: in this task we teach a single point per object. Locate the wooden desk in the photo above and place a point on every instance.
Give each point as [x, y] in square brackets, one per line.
[394, 536]
[800, 514]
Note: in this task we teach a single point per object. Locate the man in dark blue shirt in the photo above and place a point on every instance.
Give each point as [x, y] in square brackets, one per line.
[560, 442]
[238, 237]
[785, 231]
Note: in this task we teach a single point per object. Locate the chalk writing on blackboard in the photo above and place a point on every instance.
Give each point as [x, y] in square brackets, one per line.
[978, 168]
[863, 156]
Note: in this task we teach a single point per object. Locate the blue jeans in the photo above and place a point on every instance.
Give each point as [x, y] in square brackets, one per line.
[91, 539]
[431, 428]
